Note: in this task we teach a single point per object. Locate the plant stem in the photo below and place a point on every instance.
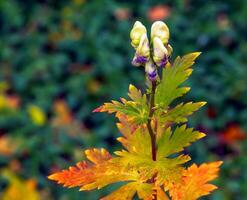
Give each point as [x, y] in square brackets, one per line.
[149, 126]
[150, 130]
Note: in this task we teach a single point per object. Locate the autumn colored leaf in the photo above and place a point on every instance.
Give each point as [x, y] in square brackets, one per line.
[19, 189]
[63, 113]
[8, 145]
[195, 182]
[133, 164]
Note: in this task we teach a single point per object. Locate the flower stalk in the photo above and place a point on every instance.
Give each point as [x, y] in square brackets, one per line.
[149, 126]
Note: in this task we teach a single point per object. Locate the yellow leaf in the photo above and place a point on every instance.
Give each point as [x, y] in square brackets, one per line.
[37, 115]
[19, 189]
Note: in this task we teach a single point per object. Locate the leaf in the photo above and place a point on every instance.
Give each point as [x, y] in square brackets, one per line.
[161, 195]
[127, 192]
[102, 171]
[37, 115]
[136, 110]
[135, 139]
[194, 182]
[169, 143]
[172, 77]
[19, 189]
[133, 165]
[105, 170]
[169, 170]
[180, 113]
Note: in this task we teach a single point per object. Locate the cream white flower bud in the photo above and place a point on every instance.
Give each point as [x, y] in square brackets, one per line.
[142, 52]
[159, 29]
[169, 49]
[136, 33]
[160, 53]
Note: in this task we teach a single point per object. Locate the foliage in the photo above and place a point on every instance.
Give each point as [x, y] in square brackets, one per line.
[152, 162]
[76, 52]
[19, 189]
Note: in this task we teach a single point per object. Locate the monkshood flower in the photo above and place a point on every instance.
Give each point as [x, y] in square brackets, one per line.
[159, 29]
[160, 52]
[151, 71]
[142, 52]
[136, 33]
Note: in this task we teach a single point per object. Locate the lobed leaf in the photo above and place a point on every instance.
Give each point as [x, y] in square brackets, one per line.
[194, 182]
[172, 77]
[180, 113]
[127, 192]
[136, 110]
[101, 172]
[169, 143]
[135, 138]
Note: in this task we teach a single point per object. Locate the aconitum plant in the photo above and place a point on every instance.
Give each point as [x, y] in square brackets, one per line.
[154, 132]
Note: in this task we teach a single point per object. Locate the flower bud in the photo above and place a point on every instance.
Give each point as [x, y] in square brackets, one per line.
[160, 54]
[142, 52]
[136, 33]
[151, 71]
[159, 29]
[169, 49]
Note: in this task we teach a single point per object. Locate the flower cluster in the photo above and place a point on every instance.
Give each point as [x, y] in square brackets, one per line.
[154, 55]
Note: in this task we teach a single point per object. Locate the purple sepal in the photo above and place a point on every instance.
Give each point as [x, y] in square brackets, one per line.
[139, 60]
[164, 61]
[152, 75]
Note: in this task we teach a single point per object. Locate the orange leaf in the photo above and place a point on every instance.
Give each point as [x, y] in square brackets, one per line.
[101, 171]
[194, 182]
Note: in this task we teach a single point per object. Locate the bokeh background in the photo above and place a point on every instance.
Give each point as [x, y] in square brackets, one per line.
[61, 59]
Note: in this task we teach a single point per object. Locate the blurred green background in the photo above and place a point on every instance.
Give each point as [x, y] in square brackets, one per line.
[61, 59]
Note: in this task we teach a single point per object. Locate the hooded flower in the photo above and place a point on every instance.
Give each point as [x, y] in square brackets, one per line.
[142, 52]
[136, 33]
[159, 29]
[151, 70]
[160, 52]
[161, 49]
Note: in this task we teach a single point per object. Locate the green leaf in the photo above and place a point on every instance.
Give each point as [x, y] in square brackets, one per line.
[169, 143]
[136, 110]
[172, 77]
[180, 113]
